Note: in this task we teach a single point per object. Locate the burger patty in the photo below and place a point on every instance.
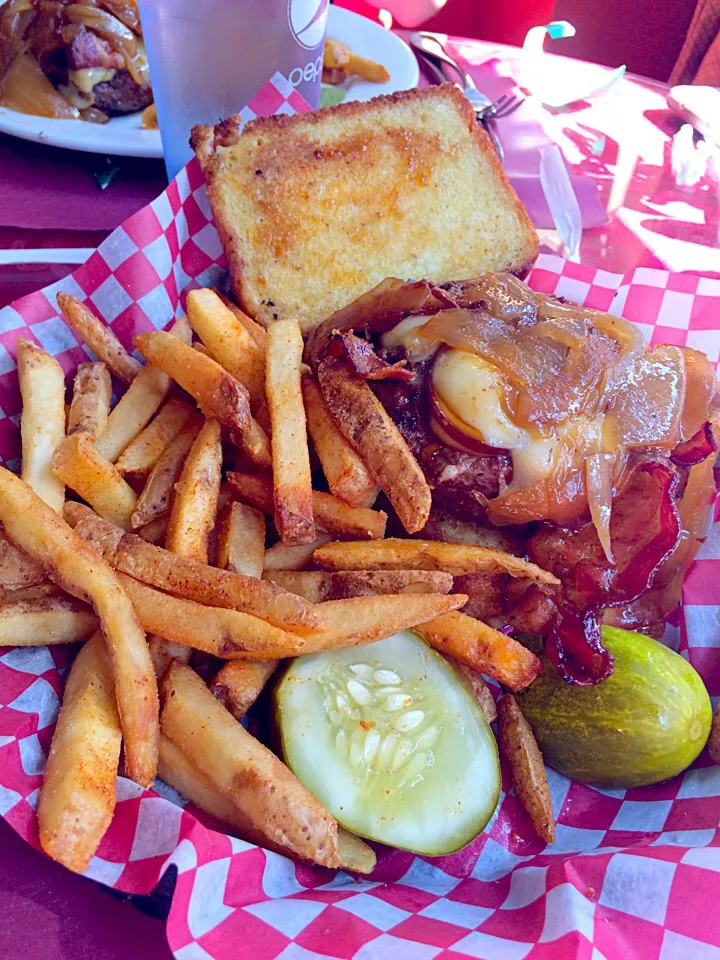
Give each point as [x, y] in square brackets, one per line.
[459, 481]
[121, 94]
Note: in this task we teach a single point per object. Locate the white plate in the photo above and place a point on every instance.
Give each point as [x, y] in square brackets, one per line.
[124, 136]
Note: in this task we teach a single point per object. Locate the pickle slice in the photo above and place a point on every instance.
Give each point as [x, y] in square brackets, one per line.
[391, 742]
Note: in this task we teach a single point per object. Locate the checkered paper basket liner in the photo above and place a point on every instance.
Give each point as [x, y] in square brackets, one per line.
[634, 875]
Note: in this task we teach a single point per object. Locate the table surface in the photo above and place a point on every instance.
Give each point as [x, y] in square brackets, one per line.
[622, 140]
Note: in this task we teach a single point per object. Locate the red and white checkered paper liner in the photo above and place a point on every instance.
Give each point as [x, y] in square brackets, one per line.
[634, 875]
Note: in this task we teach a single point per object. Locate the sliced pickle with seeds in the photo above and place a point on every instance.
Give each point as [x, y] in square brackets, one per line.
[408, 759]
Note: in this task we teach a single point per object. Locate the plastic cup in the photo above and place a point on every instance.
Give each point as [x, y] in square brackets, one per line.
[208, 59]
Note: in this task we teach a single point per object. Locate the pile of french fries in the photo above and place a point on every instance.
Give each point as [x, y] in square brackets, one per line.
[177, 535]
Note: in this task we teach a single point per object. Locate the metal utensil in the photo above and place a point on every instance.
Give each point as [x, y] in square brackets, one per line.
[429, 50]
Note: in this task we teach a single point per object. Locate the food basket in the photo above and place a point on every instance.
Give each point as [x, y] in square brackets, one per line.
[634, 875]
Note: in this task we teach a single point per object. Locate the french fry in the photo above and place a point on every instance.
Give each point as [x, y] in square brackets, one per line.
[281, 556]
[177, 770]
[78, 463]
[331, 513]
[363, 620]
[228, 341]
[156, 497]
[17, 569]
[239, 683]
[254, 444]
[347, 476]
[190, 578]
[139, 403]
[292, 483]
[475, 684]
[714, 740]
[241, 541]
[163, 652]
[519, 748]
[90, 405]
[454, 558]
[244, 771]
[99, 337]
[483, 648]
[318, 586]
[38, 592]
[141, 455]
[223, 633]
[46, 620]
[254, 329]
[42, 422]
[362, 419]
[77, 568]
[194, 508]
[156, 531]
[214, 389]
[77, 797]
[367, 69]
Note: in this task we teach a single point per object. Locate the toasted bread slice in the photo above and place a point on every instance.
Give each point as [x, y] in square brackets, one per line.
[315, 209]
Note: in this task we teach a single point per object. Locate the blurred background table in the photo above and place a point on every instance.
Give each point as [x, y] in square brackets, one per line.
[49, 199]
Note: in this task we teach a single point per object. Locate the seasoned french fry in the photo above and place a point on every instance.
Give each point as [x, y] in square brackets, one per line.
[99, 338]
[239, 683]
[41, 591]
[140, 402]
[362, 419]
[163, 652]
[77, 797]
[141, 455]
[292, 483]
[254, 329]
[254, 444]
[483, 648]
[33, 623]
[714, 740]
[366, 619]
[454, 558]
[519, 748]
[331, 513]
[215, 390]
[156, 531]
[177, 770]
[155, 499]
[42, 423]
[318, 586]
[191, 578]
[241, 541]
[346, 474]
[474, 682]
[194, 508]
[90, 406]
[223, 633]
[76, 567]
[79, 464]
[228, 341]
[244, 771]
[281, 556]
[17, 569]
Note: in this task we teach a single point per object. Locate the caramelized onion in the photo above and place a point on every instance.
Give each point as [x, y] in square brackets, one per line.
[700, 387]
[25, 88]
[599, 493]
[646, 411]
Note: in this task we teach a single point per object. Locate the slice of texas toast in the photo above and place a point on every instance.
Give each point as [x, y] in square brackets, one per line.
[315, 209]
